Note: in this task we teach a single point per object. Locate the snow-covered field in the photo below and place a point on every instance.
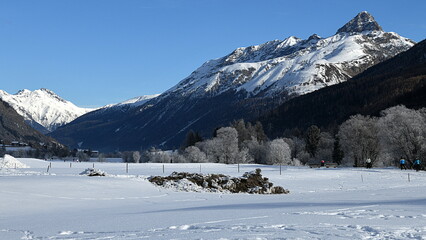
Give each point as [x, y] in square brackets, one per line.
[343, 203]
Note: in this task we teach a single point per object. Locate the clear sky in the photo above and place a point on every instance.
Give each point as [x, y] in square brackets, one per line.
[97, 52]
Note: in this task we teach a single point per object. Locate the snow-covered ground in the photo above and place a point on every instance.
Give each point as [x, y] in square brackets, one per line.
[342, 203]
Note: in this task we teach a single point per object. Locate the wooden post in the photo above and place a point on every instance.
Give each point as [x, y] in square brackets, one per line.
[93, 165]
[238, 167]
[362, 178]
[409, 180]
[280, 168]
[70, 165]
[200, 168]
[127, 167]
[48, 167]
[163, 168]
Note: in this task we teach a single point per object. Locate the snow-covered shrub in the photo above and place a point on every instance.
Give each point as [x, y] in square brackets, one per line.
[92, 172]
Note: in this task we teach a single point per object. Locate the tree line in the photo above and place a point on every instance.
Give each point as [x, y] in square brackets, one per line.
[398, 132]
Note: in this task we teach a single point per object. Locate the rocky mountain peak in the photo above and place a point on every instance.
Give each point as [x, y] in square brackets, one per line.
[364, 21]
[314, 37]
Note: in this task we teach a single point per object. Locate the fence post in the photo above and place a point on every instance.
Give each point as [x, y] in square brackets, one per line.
[280, 168]
[127, 167]
[238, 167]
[163, 168]
[48, 167]
[409, 180]
[70, 165]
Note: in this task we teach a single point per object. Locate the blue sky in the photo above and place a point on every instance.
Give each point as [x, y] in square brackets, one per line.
[97, 52]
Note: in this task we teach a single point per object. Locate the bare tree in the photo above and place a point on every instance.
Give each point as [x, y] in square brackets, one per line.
[403, 133]
[359, 140]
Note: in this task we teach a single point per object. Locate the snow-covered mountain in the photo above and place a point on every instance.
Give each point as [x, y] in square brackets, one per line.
[133, 102]
[42, 108]
[294, 65]
[242, 84]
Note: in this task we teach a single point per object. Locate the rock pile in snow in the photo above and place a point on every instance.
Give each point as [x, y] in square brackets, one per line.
[10, 162]
[250, 182]
[92, 172]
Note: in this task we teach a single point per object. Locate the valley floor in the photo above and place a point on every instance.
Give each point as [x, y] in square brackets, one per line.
[341, 203]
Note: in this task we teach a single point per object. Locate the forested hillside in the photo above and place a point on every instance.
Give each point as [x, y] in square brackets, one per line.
[399, 80]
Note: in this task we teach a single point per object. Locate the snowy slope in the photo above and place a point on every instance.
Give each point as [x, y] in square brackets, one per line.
[133, 102]
[294, 65]
[342, 203]
[43, 107]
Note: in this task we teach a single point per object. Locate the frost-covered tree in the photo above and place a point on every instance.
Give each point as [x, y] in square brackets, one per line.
[101, 157]
[82, 157]
[278, 152]
[244, 156]
[193, 154]
[136, 156]
[157, 156]
[299, 152]
[212, 148]
[228, 137]
[255, 151]
[403, 133]
[359, 140]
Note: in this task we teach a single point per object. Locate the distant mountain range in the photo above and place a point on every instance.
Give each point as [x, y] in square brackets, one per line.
[399, 80]
[243, 84]
[43, 109]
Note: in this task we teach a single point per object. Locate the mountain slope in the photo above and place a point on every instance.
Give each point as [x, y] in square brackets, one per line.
[43, 109]
[243, 84]
[14, 128]
[295, 65]
[399, 80]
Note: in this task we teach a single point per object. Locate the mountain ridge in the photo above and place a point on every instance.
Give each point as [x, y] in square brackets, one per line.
[42, 108]
[242, 84]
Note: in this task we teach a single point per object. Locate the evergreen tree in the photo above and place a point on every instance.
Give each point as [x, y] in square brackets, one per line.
[260, 133]
[191, 139]
[312, 140]
[337, 152]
